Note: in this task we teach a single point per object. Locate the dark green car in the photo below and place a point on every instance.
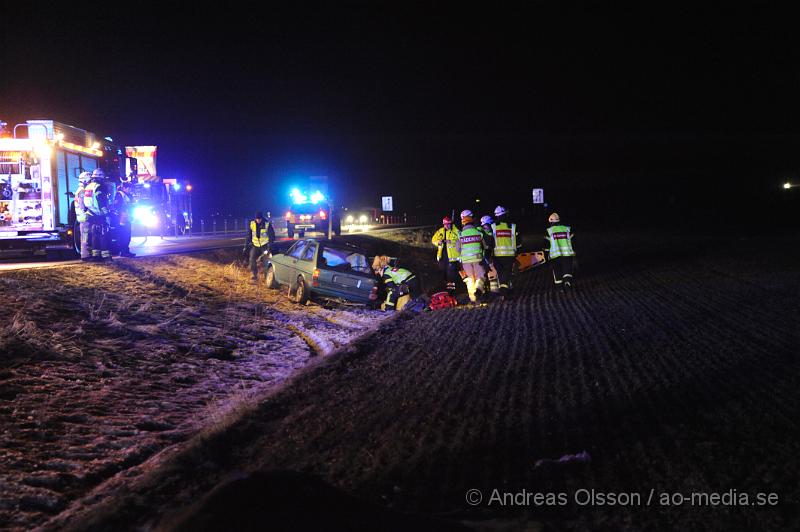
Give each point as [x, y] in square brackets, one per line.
[313, 268]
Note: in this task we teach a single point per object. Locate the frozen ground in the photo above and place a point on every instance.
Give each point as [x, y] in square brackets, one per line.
[104, 366]
[674, 365]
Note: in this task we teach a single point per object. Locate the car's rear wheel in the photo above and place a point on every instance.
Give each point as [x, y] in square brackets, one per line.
[271, 282]
[301, 294]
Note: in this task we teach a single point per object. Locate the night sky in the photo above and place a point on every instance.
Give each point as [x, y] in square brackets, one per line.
[675, 113]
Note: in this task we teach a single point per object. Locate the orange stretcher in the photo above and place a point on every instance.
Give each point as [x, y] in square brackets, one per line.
[526, 261]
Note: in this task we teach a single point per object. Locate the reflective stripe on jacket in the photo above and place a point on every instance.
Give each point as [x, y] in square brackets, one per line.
[93, 199]
[560, 241]
[448, 237]
[471, 244]
[505, 239]
[80, 208]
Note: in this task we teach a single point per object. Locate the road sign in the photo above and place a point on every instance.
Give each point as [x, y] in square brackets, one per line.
[538, 195]
[386, 203]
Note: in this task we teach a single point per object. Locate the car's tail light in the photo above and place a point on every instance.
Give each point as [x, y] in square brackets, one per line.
[315, 278]
[373, 295]
[322, 214]
[288, 214]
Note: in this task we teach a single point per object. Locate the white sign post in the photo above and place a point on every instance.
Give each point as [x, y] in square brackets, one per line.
[386, 203]
[538, 195]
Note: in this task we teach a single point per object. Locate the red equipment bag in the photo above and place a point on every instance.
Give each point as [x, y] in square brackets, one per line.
[442, 300]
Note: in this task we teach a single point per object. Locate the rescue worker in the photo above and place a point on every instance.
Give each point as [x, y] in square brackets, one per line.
[488, 257]
[122, 210]
[471, 247]
[506, 245]
[96, 203]
[82, 216]
[397, 281]
[561, 254]
[260, 237]
[445, 240]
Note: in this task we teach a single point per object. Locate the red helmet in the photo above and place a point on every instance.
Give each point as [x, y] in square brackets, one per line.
[446, 220]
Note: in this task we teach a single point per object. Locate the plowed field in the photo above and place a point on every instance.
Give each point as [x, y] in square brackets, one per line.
[673, 364]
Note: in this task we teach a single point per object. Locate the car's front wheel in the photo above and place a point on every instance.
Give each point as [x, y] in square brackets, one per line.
[301, 294]
[271, 282]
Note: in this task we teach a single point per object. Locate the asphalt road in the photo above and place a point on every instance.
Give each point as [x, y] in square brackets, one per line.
[156, 245]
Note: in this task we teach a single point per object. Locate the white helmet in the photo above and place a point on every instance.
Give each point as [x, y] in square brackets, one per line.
[85, 177]
[554, 218]
[466, 214]
[499, 211]
[486, 220]
[98, 174]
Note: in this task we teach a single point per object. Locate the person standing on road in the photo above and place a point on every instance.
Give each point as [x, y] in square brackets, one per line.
[506, 245]
[397, 281]
[122, 210]
[96, 201]
[488, 257]
[471, 247]
[82, 215]
[561, 253]
[260, 236]
[445, 240]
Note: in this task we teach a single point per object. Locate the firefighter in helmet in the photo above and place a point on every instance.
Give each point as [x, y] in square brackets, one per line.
[123, 200]
[260, 237]
[561, 253]
[96, 201]
[471, 248]
[397, 281]
[445, 239]
[506, 245]
[488, 256]
[82, 215]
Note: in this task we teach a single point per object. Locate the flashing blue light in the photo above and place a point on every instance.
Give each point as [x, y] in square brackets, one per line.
[176, 186]
[147, 185]
[317, 196]
[185, 213]
[298, 197]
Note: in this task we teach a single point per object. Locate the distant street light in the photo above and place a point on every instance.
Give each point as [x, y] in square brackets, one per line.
[787, 185]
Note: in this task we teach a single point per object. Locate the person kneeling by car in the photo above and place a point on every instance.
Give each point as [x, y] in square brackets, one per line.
[399, 282]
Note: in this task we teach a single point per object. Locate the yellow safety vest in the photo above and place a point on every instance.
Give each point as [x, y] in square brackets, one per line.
[505, 239]
[260, 238]
[450, 238]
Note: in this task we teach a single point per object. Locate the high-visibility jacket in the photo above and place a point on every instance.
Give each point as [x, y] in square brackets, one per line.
[260, 236]
[560, 238]
[94, 199]
[471, 244]
[446, 237]
[80, 208]
[395, 275]
[505, 239]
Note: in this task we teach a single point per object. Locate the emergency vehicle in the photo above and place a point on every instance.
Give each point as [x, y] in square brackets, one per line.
[310, 212]
[38, 179]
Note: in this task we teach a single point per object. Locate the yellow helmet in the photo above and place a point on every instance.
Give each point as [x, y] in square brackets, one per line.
[554, 218]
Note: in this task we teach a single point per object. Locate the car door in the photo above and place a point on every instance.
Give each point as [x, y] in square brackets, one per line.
[285, 264]
[307, 262]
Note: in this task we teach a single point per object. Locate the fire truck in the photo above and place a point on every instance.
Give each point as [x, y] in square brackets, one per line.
[38, 178]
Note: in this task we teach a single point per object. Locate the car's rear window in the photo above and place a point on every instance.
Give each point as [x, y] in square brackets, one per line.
[344, 259]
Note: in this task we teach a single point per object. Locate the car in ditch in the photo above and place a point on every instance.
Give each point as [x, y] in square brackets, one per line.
[332, 271]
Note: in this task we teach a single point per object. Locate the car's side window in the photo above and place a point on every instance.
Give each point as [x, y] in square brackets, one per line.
[308, 254]
[297, 250]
